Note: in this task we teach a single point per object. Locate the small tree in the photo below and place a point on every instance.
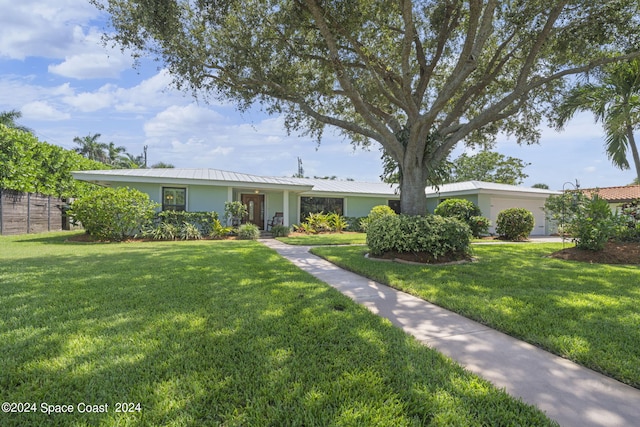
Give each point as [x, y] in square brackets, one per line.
[234, 212]
[114, 213]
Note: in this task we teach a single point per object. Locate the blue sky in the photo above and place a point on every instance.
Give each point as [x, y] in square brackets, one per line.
[55, 70]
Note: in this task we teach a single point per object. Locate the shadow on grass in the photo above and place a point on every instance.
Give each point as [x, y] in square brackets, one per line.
[584, 312]
[202, 333]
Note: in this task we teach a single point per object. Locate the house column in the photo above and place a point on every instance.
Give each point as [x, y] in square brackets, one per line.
[229, 194]
[285, 208]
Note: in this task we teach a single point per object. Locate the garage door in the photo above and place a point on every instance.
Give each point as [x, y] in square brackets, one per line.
[534, 206]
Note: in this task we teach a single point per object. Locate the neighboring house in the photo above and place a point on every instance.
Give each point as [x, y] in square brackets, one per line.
[209, 189]
[615, 196]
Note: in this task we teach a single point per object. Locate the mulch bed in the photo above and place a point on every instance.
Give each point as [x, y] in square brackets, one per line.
[613, 253]
[422, 257]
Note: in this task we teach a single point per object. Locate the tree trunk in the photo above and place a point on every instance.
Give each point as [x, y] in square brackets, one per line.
[413, 200]
[634, 151]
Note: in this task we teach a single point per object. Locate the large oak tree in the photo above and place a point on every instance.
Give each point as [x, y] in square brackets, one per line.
[418, 77]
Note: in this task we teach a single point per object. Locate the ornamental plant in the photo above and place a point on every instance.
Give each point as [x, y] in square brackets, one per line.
[593, 225]
[466, 211]
[432, 234]
[248, 232]
[515, 224]
[113, 214]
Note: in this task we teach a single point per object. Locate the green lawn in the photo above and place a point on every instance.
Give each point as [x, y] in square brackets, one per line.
[326, 239]
[585, 312]
[213, 333]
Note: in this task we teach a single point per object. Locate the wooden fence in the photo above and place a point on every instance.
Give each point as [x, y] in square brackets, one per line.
[22, 213]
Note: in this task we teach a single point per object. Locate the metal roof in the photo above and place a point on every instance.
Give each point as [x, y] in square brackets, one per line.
[305, 185]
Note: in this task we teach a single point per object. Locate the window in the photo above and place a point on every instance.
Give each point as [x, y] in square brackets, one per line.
[174, 199]
[320, 204]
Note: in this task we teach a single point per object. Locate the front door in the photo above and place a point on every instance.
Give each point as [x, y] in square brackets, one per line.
[255, 209]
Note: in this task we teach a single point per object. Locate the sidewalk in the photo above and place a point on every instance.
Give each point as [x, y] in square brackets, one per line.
[568, 393]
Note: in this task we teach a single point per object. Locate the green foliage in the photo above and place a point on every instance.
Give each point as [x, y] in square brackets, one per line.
[189, 231]
[457, 208]
[479, 225]
[234, 212]
[379, 211]
[114, 214]
[488, 166]
[162, 231]
[628, 229]
[354, 223]
[280, 230]
[435, 235]
[218, 231]
[248, 232]
[203, 221]
[515, 224]
[415, 79]
[593, 225]
[467, 212]
[31, 166]
[322, 223]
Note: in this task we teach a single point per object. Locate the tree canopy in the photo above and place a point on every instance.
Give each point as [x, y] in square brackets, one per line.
[417, 77]
[488, 166]
[29, 165]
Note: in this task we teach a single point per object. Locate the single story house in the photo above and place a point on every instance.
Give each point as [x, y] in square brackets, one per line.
[264, 196]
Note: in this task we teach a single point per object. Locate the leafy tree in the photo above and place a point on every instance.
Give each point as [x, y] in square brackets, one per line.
[417, 77]
[8, 118]
[91, 148]
[488, 166]
[29, 165]
[615, 102]
[540, 185]
[163, 165]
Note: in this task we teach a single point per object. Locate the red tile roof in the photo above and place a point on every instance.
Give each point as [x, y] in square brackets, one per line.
[616, 194]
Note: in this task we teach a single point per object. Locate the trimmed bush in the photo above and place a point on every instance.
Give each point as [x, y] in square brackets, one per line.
[457, 208]
[280, 231]
[248, 232]
[433, 235]
[203, 221]
[379, 211]
[114, 214]
[467, 212]
[515, 224]
[628, 227]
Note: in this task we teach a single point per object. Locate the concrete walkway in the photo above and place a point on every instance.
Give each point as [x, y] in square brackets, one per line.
[568, 393]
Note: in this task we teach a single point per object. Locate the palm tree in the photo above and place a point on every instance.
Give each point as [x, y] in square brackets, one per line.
[91, 148]
[616, 103]
[8, 118]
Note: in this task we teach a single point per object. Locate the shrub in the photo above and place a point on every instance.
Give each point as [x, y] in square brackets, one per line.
[114, 213]
[457, 208]
[593, 225]
[280, 231]
[479, 225]
[467, 212]
[203, 221]
[189, 231]
[379, 211]
[514, 224]
[320, 223]
[218, 231]
[234, 212]
[354, 223]
[336, 222]
[248, 232]
[163, 231]
[434, 235]
[628, 224]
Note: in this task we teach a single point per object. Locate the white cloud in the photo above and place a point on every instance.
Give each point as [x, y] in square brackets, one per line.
[92, 65]
[39, 110]
[42, 28]
[183, 121]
